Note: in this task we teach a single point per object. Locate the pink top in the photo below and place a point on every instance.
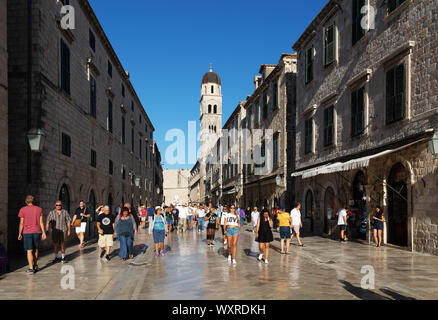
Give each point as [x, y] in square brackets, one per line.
[143, 212]
[31, 215]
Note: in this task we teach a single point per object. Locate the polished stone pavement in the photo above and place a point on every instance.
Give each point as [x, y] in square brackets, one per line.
[323, 269]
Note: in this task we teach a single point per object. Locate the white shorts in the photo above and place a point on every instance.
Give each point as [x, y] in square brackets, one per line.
[143, 218]
[81, 228]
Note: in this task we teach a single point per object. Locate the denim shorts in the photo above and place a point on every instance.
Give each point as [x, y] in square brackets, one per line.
[31, 241]
[190, 218]
[232, 231]
[285, 232]
[159, 236]
[342, 227]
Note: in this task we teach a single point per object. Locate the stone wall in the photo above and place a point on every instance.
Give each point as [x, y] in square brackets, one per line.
[176, 184]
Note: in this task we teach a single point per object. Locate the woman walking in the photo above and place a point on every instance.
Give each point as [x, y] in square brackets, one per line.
[159, 228]
[212, 220]
[169, 219]
[232, 229]
[222, 221]
[378, 220]
[126, 231]
[264, 234]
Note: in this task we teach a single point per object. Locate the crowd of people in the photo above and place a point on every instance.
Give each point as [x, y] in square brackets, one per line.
[161, 221]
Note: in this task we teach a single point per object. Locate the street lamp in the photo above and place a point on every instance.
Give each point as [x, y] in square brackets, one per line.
[158, 190]
[433, 144]
[278, 180]
[36, 139]
[217, 193]
[137, 182]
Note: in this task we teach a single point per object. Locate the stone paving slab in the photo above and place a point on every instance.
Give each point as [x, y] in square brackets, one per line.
[323, 269]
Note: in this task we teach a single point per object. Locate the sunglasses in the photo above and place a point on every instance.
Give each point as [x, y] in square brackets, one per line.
[59, 205]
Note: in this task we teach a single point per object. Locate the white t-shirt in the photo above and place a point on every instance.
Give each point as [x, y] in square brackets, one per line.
[223, 217]
[341, 214]
[232, 220]
[190, 211]
[183, 212]
[201, 213]
[296, 217]
[255, 216]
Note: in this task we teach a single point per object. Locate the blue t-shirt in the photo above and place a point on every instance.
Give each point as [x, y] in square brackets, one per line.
[159, 223]
[150, 212]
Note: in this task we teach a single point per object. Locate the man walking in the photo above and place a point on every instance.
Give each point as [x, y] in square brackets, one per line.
[59, 222]
[182, 218]
[31, 230]
[105, 226]
[201, 216]
[82, 213]
[342, 223]
[295, 215]
[150, 214]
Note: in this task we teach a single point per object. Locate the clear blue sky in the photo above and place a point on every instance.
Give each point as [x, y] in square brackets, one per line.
[167, 47]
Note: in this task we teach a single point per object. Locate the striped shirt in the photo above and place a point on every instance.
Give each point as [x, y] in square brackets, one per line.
[62, 219]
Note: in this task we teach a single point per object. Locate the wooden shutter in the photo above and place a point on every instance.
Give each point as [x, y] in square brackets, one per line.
[329, 45]
[390, 100]
[360, 126]
[399, 98]
[65, 67]
[354, 113]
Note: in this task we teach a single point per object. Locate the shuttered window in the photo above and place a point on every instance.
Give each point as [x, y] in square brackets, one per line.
[309, 65]
[93, 158]
[395, 94]
[93, 97]
[275, 147]
[329, 45]
[66, 145]
[329, 128]
[357, 112]
[110, 116]
[275, 96]
[358, 32]
[308, 135]
[65, 67]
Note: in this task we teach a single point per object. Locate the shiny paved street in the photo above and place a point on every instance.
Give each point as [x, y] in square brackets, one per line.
[323, 269]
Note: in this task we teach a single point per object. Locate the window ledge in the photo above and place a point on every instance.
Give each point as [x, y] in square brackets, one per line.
[309, 110]
[390, 16]
[402, 50]
[362, 76]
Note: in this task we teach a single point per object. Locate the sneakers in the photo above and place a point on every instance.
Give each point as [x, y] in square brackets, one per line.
[266, 261]
[260, 257]
[229, 258]
[30, 271]
[225, 242]
[157, 254]
[102, 254]
[107, 257]
[55, 260]
[234, 261]
[63, 260]
[36, 268]
[162, 253]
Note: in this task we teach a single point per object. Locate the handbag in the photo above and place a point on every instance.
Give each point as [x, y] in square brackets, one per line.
[78, 221]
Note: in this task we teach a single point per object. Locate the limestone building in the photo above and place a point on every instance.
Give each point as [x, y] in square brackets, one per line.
[176, 186]
[70, 84]
[366, 113]
[3, 125]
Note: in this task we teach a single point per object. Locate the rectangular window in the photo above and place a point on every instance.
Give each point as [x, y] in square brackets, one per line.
[123, 90]
[309, 65]
[329, 45]
[308, 136]
[65, 2]
[132, 106]
[329, 128]
[249, 120]
[66, 145]
[357, 112]
[275, 96]
[123, 172]
[265, 106]
[132, 140]
[110, 69]
[139, 148]
[65, 68]
[395, 94]
[110, 116]
[394, 4]
[92, 41]
[123, 131]
[358, 32]
[93, 97]
[93, 158]
[262, 155]
[257, 115]
[275, 147]
[110, 167]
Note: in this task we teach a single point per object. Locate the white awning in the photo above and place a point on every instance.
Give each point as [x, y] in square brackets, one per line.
[231, 191]
[346, 166]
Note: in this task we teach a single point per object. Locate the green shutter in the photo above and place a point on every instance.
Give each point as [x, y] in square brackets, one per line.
[353, 113]
[360, 111]
[390, 99]
[399, 99]
[329, 45]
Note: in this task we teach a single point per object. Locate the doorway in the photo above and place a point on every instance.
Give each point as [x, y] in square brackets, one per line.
[309, 209]
[398, 206]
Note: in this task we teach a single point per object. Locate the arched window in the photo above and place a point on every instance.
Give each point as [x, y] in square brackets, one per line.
[64, 196]
[215, 109]
[212, 89]
[209, 108]
[92, 204]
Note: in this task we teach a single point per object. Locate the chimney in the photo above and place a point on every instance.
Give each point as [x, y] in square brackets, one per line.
[257, 81]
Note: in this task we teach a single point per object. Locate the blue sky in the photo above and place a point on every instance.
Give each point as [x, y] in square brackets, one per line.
[167, 47]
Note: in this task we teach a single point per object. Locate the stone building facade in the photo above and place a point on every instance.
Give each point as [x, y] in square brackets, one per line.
[195, 183]
[3, 125]
[270, 108]
[70, 83]
[176, 186]
[367, 107]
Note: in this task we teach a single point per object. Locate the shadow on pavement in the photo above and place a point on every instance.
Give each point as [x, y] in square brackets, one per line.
[395, 295]
[362, 294]
[250, 253]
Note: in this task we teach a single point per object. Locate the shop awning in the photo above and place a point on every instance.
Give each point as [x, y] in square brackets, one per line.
[230, 191]
[346, 166]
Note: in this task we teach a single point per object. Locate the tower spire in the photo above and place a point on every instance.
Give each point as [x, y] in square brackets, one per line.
[211, 67]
